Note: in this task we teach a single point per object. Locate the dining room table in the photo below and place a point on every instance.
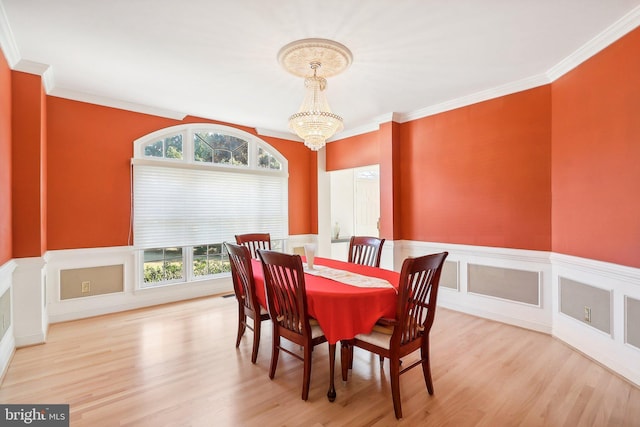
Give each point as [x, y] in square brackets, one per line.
[345, 298]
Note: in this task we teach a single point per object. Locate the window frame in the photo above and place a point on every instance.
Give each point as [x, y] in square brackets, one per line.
[188, 161]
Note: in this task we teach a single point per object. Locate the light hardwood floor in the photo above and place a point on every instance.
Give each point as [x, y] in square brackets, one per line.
[176, 365]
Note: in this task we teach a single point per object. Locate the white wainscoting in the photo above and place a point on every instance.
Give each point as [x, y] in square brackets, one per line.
[132, 297]
[538, 318]
[610, 350]
[8, 343]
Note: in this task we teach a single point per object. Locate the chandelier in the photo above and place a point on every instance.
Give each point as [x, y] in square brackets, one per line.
[315, 59]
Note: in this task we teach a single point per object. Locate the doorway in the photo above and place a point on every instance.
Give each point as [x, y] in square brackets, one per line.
[355, 206]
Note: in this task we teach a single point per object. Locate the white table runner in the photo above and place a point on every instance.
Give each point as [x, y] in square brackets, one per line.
[348, 277]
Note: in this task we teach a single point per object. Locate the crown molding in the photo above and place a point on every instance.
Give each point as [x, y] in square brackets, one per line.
[116, 103]
[277, 134]
[485, 95]
[613, 33]
[43, 70]
[7, 41]
[372, 125]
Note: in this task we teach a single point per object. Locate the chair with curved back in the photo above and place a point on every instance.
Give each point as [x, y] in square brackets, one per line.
[245, 289]
[287, 303]
[365, 250]
[254, 241]
[409, 330]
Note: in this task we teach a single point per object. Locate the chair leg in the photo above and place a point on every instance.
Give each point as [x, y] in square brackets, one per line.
[256, 339]
[426, 366]
[306, 379]
[345, 359]
[394, 373]
[242, 324]
[381, 361]
[275, 351]
[351, 356]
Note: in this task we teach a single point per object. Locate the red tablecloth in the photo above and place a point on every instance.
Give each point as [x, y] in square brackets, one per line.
[343, 311]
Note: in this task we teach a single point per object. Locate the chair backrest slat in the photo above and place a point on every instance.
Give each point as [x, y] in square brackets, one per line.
[242, 276]
[254, 241]
[418, 291]
[365, 250]
[285, 288]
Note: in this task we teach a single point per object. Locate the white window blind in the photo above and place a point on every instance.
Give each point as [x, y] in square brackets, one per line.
[189, 206]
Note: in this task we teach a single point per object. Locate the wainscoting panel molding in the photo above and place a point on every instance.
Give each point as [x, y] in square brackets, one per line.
[632, 321]
[497, 271]
[91, 281]
[450, 277]
[7, 341]
[505, 283]
[617, 349]
[619, 282]
[131, 297]
[585, 303]
[5, 312]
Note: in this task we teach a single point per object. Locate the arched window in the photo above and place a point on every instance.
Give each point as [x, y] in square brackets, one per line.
[196, 186]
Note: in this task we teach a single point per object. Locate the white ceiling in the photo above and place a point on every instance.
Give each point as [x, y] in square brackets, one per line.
[217, 59]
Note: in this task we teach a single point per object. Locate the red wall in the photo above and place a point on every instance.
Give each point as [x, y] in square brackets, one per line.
[353, 152]
[596, 156]
[28, 122]
[6, 240]
[89, 191]
[480, 175]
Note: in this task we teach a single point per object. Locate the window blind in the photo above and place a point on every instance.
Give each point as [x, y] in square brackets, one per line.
[178, 206]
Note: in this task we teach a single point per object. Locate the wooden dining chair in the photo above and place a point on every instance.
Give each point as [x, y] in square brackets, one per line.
[245, 289]
[287, 303]
[409, 330]
[365, 250]
[254, 241]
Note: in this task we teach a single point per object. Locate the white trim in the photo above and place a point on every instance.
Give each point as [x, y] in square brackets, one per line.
[626, 322]
[6, 275]
[188, 129]
[30, 322]
[611, 351]
[538, 318]
[277, 134]
[613, 33]
[7, 348]
[600, 268]
[31, 67]
[43, 70]
[131, 298]
[114, 103]
[7, 342]
[370, 126]
[539, 285]
[474, 98]
[524, 255]
[616, 31]
[7, 40]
